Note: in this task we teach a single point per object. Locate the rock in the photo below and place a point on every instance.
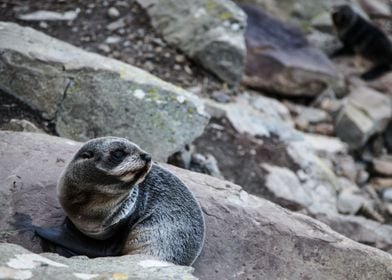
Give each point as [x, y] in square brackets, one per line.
[215, 37]
[312, 115]
[383, 84]
[323, 41]
[387, 195]
[362, 230]
[87, 95]
[295, 193]
[318, 184]
[284, 183]
[380, 183]
[350, 201]
[383, 165]
[376, 8]
[247, 237]
[245, 118]
[22, 125]
[388, 137]
[187, 158]
[50, 16]
[113, 40]
[221, 97]
[120, 23]
[105, 48]
[323, 22]
[280, 59]
[365, 113]
[19, 263]
[305, 10]
[326, 129]
[205, 164]
[113, 12]
[324, 145]
[345, 166]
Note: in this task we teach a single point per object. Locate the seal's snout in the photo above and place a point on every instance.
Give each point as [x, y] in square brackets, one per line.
[146, 157]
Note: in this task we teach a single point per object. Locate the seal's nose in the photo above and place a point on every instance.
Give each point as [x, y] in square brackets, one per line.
[146, 157]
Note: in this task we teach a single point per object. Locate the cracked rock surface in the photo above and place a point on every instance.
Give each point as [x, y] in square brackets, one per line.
[87, 95]
[247, 237]
[19, 263]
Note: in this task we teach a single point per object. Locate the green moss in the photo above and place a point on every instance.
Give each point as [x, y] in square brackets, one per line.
[225, 16]
[74, 87]
[210, 5]
[191, 110]
[152, 91]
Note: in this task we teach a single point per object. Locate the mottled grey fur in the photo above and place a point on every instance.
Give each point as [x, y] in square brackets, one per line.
[98, 191]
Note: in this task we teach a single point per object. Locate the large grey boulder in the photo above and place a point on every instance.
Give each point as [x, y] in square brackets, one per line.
[247, 237]
[366, 112]
[280, 59]
[19, 263]
[211, 32]
[88, 95]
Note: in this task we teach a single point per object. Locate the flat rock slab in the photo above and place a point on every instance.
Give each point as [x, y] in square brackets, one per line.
[247, 237]
[21, 264]
[279, 58]
[365, 113]
[211, 32]
[87, 95]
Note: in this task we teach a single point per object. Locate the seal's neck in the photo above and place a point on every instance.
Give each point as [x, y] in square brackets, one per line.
[116, 217]
[124, 209]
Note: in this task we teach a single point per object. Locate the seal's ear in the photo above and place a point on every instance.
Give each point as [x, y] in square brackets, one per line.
[86, 155]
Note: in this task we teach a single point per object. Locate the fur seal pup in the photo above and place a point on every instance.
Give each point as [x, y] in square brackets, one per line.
[361, 37]
[117, 202]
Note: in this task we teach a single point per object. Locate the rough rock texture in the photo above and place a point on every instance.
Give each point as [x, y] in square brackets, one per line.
[247, 237]
[211, 32]
[305, 10]
[19, 263]
[88, 95]
[365, 113]
[281, 60]
[316, 182]
[362, 230]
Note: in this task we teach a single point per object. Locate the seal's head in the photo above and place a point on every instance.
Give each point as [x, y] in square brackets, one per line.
[99, 187]
[343, 16]
[107, 165]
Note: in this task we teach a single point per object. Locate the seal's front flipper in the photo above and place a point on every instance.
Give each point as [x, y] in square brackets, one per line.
[65, 240]
[68, 241]
[56, 240]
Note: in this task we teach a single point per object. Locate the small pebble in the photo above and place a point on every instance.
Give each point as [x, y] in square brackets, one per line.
[387, 195]
[113, 40]
[43, 25]
[105, 48]
[180, 58]
[113, 12]
[188, 70]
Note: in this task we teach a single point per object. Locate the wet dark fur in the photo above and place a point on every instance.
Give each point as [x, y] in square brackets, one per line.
[361, 37]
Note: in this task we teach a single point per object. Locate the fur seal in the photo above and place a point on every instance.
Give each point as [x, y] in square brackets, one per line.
[117, 202]
[361, 37]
